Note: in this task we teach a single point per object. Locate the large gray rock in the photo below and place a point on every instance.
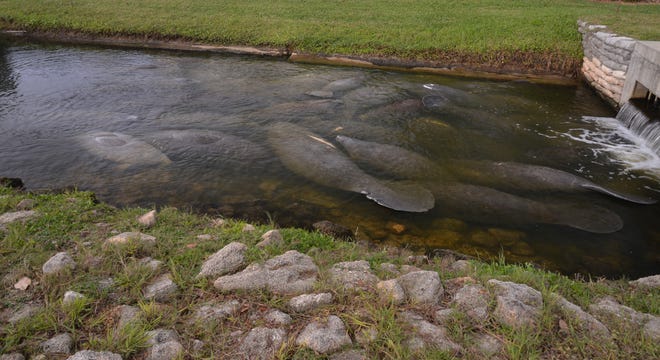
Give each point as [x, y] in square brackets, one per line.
[127, 314]
[289, 273]
[169, 350]
[217, 312]
[652, 282]
[161, 336]
[24, 313]
[473, 301]
[487, 345]
[148, 220]
[581, 318]
[277, 317]
[422, 287]
[306, 302]
[324, 337]
[59, 344]
[261, 343]
[428, 335]
[71, 296]
[518, 305]
[58, 262]
[161, 289]
[94, 355]
[229, 259]
[349, 355]
[12, 356]
[353, 275]
[610, 310]
[126, 237]
[391, 291]
[10, 217]
[270, 238]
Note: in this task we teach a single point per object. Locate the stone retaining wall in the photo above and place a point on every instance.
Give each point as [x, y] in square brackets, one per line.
[606, 60]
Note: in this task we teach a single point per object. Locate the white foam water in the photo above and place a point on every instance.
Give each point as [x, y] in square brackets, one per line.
[622, 144]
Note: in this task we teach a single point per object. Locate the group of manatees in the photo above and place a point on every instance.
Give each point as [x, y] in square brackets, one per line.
[390, 175]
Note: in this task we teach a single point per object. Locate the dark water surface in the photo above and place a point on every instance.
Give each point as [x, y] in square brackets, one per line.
[65, 111]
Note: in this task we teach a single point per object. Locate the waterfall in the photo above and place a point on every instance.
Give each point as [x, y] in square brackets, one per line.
[644, 124]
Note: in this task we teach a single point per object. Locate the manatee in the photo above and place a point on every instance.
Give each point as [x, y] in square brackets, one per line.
[526, 177]
[122, 149]
[314, 158]
[474, 202]
[483, 204]
[206, 145]
[394, 160]
[344, 84]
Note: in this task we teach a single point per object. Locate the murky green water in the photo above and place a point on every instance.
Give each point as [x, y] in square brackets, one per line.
[54, 101]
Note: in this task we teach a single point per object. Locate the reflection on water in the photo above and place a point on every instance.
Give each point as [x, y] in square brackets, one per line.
[207, 133]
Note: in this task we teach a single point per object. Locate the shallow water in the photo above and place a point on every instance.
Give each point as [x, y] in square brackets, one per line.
[52, 98]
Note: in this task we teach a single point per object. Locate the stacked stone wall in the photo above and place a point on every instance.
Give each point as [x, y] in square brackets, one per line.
[606, 60]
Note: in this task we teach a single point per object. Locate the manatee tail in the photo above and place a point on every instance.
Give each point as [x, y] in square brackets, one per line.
[589, 218]
[618, 195]
[401, 196]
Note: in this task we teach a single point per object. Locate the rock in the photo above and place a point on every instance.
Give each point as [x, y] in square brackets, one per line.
[487, 345]
[205, 237]
[580, 317]
[430, 335]
[289, 273]
[324, 94]
[444, 316]
[391, 291]
[25, 204]
[324, 337]
[405, 269]
[10, 217]
[248, 228]
[71, 296]
[218, 223]
[353, 275]
[422, 287]
[148, 220]
[59, 262]
[461, 266]
[277, 317]
[197, 346]
[94, 355]
[106, 284]
[13, 183]
[59, 344]
[390, 269]
[229, 259]
[126, 237]
[518, 305]
[12, 356]
[169, 350]
[150, 263]
[261, 343]
[127, 315]
[161, 336]
[270, 238]
[418, 259]
[349, 355]
[335, 230]
[652, 282]
[25, 312]
[23, 283]
[608, 309]
[366, 336]
[306, 302]
[161, 289]
[217, 312]
[473, 301]
[396, 228]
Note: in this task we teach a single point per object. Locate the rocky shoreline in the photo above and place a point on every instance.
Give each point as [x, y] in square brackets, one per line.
[259, 295]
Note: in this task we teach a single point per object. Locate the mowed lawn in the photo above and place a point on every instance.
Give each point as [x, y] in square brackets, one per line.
[404, 28]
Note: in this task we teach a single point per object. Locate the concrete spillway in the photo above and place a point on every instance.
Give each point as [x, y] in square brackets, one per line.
[643, 77]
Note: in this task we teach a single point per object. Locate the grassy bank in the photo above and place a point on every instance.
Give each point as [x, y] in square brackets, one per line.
[494, 31]
[74, 222]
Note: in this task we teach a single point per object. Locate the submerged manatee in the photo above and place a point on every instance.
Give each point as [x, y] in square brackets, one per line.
[478, 203]
[396, 161]
[122, 149]
[206, 145]
[482, 204]
[517, 176]
[314, 158]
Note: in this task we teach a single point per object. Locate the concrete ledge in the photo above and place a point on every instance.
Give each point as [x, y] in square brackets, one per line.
[643, 72]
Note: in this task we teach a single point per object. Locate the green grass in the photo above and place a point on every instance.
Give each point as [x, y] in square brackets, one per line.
[74, 222]
[423, 29]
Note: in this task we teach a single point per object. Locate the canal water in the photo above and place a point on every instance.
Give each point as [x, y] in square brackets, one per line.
[257, 139]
